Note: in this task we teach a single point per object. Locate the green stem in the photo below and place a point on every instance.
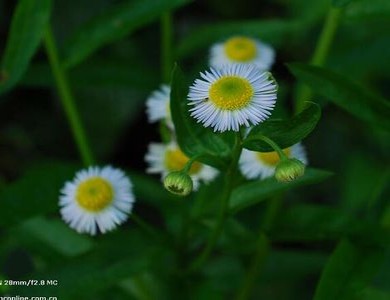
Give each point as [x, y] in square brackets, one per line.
[262, 248]
[320, 53]
[257, 261]
[166, 46]
[274, 146]
[67, 99]
[228, 187]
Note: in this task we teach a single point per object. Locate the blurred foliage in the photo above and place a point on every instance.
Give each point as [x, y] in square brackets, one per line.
[329, 241]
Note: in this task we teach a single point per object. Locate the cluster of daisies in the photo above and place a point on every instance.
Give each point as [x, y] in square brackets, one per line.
[237, 91]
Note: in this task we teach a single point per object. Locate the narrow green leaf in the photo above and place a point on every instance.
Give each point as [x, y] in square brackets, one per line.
[97, 73]
[349, 96]
[46, 233]
[272, 31]
[28, 24]
[36, 193]
[341, 3]
[284, 132]
[193, 138]
[99, 269]
[348, 272]
[313, 223]
[114, 24]
[256, 191]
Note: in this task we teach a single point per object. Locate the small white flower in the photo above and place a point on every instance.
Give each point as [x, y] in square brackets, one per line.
[96, 198]
[233, 96]
[164, 159]
[262, 164]
[157, 106]
[242, 50]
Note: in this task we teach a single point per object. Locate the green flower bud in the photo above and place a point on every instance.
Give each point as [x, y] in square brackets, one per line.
[289, 169]
[178, 183]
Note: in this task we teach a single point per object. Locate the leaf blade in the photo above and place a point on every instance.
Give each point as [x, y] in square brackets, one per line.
[28, 24]
[340, 91]
[285, 133]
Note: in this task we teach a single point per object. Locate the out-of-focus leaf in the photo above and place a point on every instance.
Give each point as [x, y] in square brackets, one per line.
[374, 294]
[321, 223]
[100, 269]
[285, 133]
[271, 31]
[253, 192]
[348, 272]
[117, 107]
[28, 24]
[55, 234]
[341, 3]
[102, 74]
[114, 24]
[352, 98]
[193, 138]
[36, 193]
[365, 9]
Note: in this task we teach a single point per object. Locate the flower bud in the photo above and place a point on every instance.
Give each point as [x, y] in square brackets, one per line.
[178, 183]
[289, 169]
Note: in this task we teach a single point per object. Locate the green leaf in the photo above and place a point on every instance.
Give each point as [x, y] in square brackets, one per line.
[349, 96]
[313, 223]
[28, 24]
[97, 73]
[193, 138]
[341, 3]
[114, 24]
[368, 9]
[348, 272]
[285, 133]
[36, 193]
[271, 31]
[46, 233]
[117, 256]
[256, 191]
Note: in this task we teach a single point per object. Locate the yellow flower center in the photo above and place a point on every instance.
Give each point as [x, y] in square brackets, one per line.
[272, 158]
[231, 92]
[240, 49]
[175, 160]
[94, 194]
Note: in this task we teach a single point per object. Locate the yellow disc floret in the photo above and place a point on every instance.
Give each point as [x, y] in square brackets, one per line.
[272, 158]
[240, 49]
[231, 92]
[175, 160]
[94, 194]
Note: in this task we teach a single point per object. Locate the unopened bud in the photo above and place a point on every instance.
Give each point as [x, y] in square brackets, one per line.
[289, 169]
[178, 183]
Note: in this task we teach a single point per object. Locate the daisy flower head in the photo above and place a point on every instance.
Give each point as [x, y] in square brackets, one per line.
[157, 106]
[254, 165]
[166, 158]
[235, 95]
[242, 50]
[97, 198]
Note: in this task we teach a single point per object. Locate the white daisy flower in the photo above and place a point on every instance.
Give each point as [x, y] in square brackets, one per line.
[233, 96]
[242, 50]
[157, 106]
[96, 198]
[166, 158]
[255, 165]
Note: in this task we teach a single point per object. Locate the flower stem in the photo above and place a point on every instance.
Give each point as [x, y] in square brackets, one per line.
[262, 249]
[166, 46]
[67, 99]
[320, 53]
[228, 187]
[256, 263]
[274, 146]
